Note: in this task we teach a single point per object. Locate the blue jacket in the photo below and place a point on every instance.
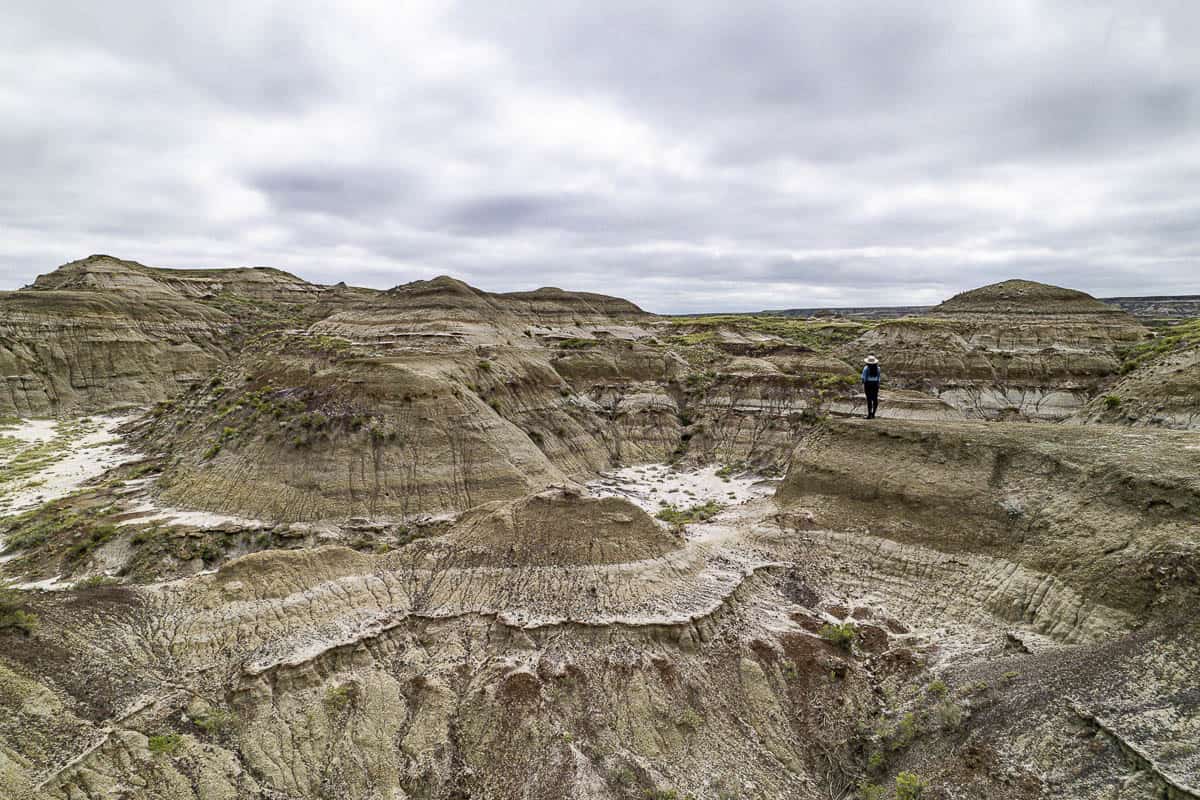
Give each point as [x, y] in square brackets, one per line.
[866, 378]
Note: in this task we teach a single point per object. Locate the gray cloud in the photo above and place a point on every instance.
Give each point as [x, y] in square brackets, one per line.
[690, 156]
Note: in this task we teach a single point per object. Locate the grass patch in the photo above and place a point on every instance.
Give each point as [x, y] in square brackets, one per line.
[1173, 338]
[165, 743]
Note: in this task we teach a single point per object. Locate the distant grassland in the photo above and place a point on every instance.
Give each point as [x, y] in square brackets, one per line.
[819, 334]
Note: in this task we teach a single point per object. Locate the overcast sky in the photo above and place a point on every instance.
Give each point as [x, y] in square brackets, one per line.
[689, 156]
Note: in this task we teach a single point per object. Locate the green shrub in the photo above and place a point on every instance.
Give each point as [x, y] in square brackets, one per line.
[909, 786]
[13, 617]
[937, 688]
[906, 731]
[950, 714]
[1111, 401]
[840, 635]
[166, 743]
[484, 365]
[577, 344]
[870, 791]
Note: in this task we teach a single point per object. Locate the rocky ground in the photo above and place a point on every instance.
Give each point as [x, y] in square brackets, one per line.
[440, 543]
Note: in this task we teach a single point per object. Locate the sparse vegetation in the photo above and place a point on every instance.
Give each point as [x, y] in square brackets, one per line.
[871, 791]
[910, 786]
[679, 517]
[1173, 338]
[96, 581]
[340, 696]
[728, 471]
[165, 743]
[1111, 401]
[950, 715]
[662, 794]
[215, 721]
[13, 617]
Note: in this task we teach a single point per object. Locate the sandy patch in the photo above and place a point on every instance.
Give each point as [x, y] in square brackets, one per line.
[60, 456]
[654, 486]
[148, 511]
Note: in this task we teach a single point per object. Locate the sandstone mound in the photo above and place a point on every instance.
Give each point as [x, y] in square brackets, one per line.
[101, 331]
[307, 429]
[560, 527]
[108, 274]
[1024, 297]
[422, 311]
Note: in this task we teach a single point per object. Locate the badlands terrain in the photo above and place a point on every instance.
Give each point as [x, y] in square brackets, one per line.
[261, 538]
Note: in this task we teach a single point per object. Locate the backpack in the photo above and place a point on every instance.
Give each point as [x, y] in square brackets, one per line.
[873, 373]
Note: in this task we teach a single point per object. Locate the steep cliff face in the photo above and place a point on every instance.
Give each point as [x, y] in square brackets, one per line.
[1015, 348]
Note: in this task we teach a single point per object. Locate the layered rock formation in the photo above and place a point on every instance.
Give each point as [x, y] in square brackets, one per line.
[1048, 536]
[356, 557]
[101, 332]
[1012, 349]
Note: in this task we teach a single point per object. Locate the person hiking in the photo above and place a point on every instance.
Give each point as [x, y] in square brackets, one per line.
[871, 377]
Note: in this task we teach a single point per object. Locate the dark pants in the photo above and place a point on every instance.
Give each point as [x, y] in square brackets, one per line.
[872, 390]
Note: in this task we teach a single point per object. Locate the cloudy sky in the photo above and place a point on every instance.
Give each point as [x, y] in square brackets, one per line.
[689, 156]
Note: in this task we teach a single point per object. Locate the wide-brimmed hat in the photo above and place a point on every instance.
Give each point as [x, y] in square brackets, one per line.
[870, 360]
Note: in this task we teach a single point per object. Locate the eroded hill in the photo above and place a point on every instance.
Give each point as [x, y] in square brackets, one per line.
[437, 542]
